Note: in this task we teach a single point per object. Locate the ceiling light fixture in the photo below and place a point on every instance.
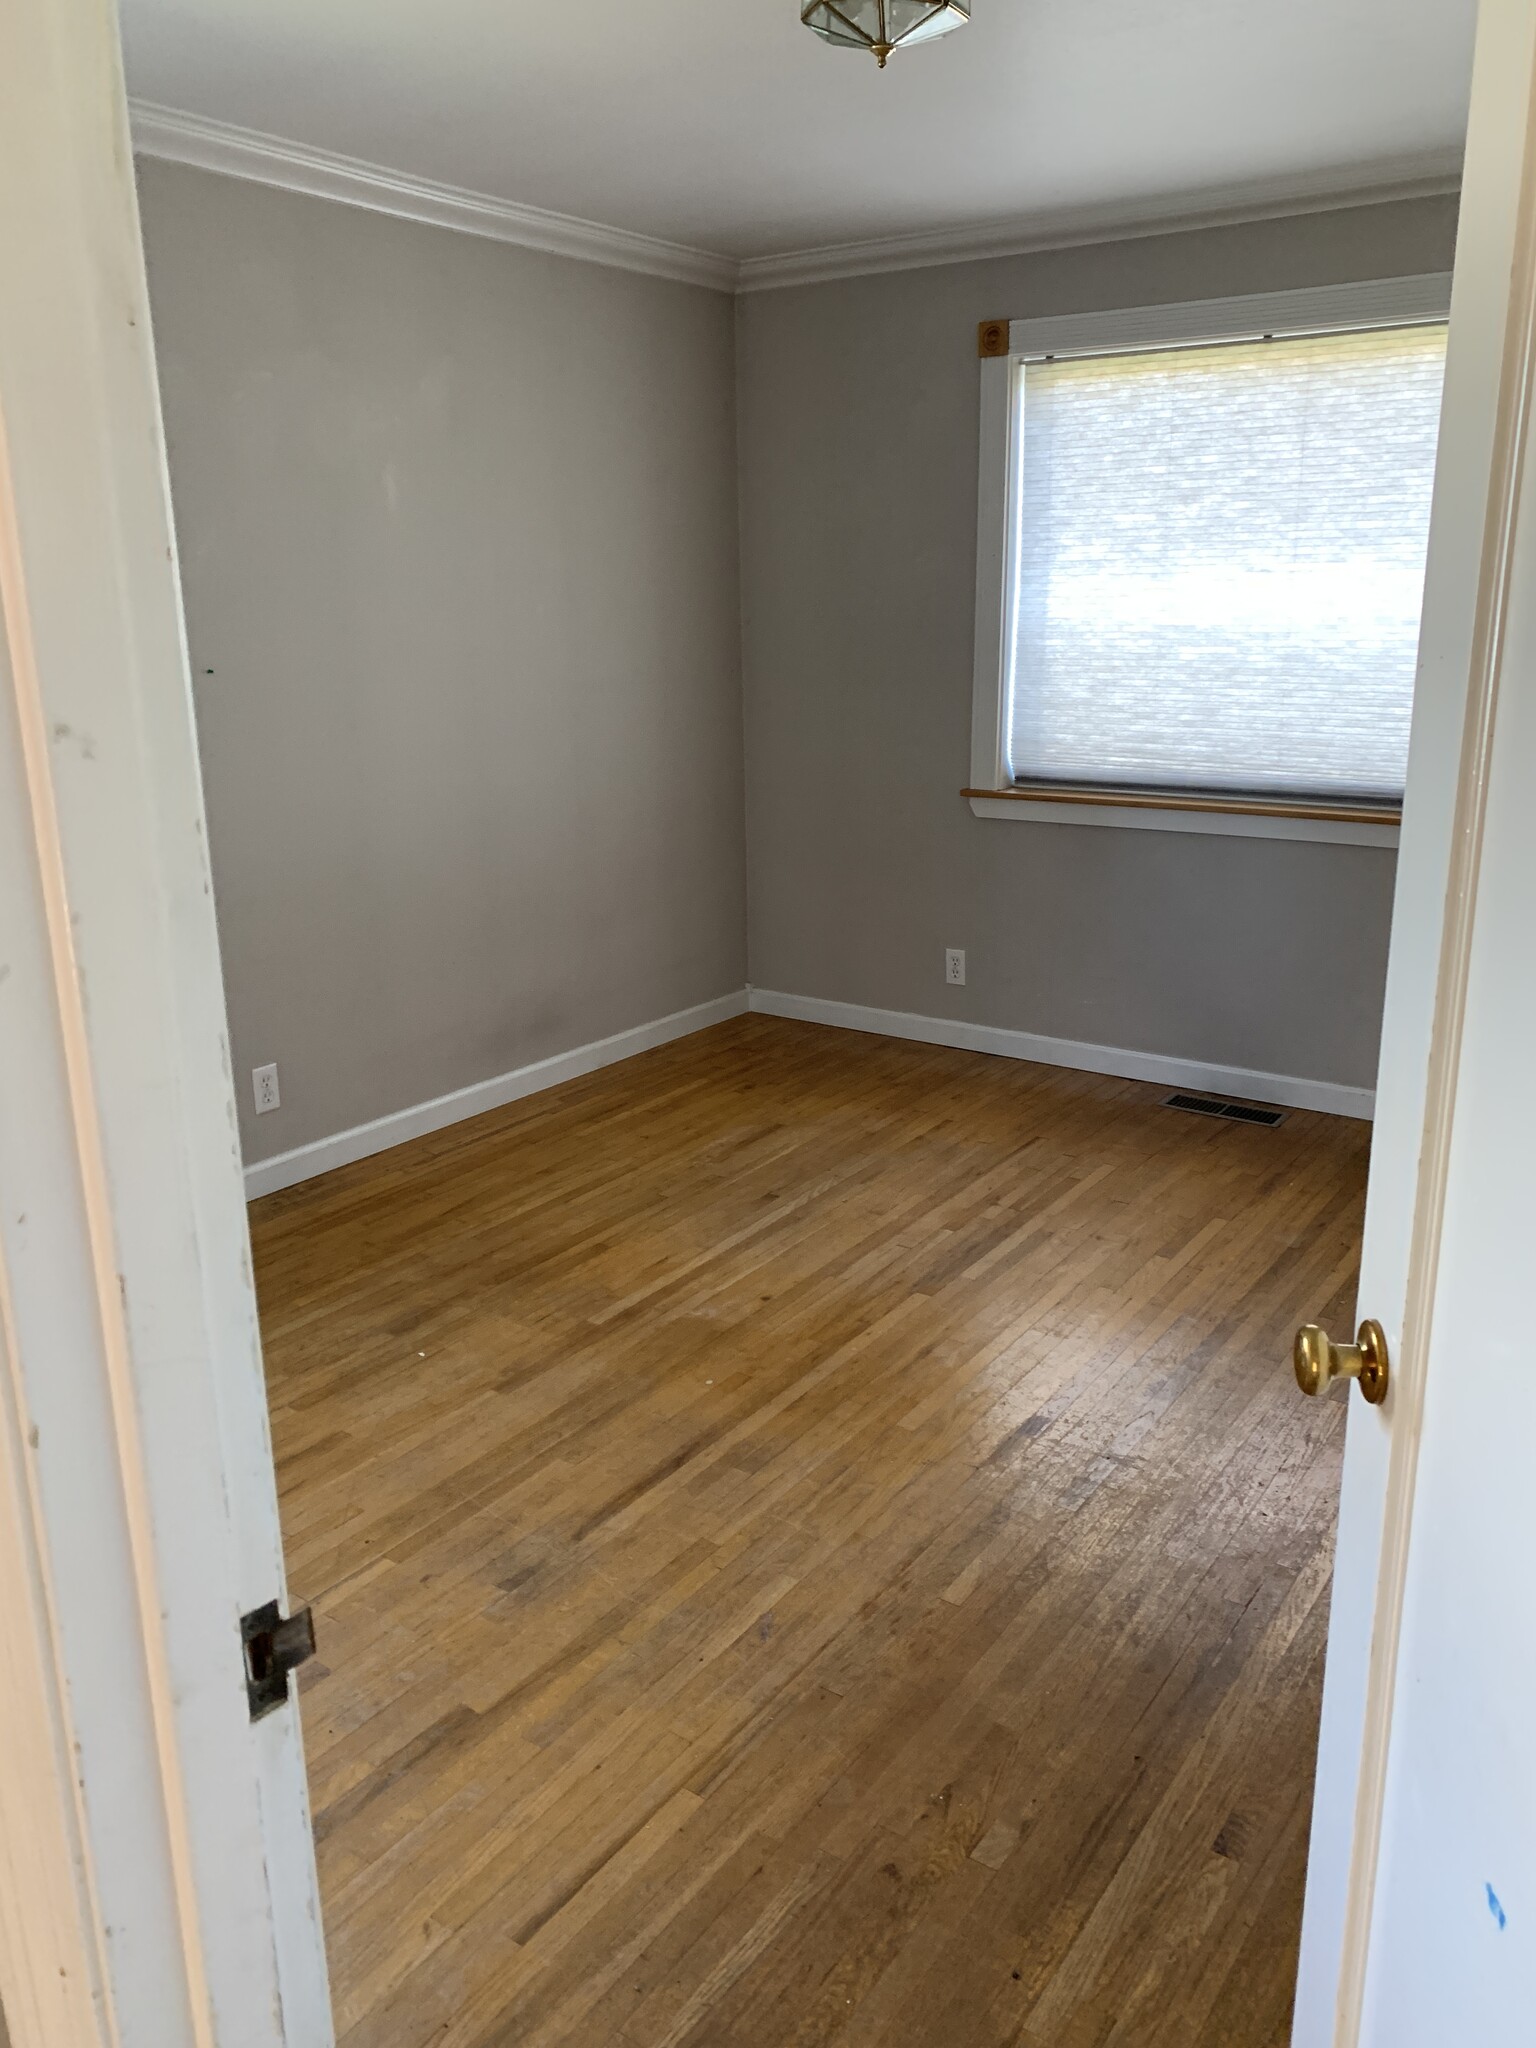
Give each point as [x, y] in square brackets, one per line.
[883, 25]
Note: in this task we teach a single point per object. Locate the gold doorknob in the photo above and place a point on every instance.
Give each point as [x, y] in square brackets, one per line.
[1319, 1361]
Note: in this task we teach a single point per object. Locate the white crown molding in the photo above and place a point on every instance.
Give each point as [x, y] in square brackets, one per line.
[270, 160]
[1422, 178]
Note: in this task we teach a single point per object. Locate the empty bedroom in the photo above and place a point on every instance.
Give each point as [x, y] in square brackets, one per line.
[803, 626]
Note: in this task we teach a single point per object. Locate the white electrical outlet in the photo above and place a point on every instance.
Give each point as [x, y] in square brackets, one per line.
[954, 967]
[264, 1087]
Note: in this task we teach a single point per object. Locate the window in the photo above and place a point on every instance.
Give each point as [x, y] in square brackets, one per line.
[1209, 551]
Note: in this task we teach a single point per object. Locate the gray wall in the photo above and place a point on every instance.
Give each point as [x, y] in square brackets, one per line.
[857, 427]
[459, 542]
[458, 536]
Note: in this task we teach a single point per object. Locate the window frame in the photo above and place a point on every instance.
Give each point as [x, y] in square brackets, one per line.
[1422, 300]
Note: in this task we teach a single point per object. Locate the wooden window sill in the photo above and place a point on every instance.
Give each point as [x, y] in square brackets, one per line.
[1246, 817]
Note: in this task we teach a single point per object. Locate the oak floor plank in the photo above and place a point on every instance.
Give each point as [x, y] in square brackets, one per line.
[813, 1542]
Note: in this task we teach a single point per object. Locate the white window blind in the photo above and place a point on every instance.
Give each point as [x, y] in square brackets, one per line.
[1219, 565]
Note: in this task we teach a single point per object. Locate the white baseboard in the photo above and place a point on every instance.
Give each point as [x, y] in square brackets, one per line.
[1292, 1090]
[304, 1162]
[286, 1169]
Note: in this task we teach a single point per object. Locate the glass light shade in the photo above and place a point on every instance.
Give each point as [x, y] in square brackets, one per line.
[883, 25]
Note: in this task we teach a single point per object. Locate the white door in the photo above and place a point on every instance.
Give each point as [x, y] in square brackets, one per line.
[1420, 1927]
[1453, 1949]
[157, 1885]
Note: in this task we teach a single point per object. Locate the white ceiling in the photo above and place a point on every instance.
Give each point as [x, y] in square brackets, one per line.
[725, 125]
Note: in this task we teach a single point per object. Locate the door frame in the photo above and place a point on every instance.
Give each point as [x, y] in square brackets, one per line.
[157, 1882]
[157, 1885]
[1484, 438]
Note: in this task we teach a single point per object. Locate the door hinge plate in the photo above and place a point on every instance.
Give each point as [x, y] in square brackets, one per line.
[274, 1646]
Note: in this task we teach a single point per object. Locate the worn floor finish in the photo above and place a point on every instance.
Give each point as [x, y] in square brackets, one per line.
[814, 1540]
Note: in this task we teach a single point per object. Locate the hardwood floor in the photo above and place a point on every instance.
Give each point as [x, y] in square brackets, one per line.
[814, 1539]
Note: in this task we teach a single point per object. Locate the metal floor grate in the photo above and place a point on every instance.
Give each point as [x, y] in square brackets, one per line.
[1233, 1112]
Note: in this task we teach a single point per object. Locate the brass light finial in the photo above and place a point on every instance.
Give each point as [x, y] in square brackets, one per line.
[881, 26]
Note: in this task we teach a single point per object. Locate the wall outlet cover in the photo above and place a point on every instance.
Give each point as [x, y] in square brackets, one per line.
[954, 967]
[265, 1089]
